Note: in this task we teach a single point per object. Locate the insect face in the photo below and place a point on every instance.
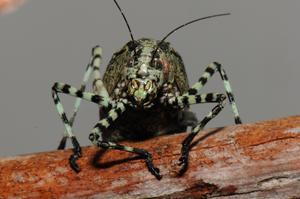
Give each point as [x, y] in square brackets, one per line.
[145, 78]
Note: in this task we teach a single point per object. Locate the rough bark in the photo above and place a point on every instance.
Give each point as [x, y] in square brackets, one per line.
[255, 160]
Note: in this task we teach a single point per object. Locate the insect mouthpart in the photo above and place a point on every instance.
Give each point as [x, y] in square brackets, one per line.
[142, 91]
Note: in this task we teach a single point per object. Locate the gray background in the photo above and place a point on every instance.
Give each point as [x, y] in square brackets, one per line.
[48, 41]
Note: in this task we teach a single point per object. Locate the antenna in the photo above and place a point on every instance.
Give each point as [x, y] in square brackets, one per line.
[218, 15]
[127, 26]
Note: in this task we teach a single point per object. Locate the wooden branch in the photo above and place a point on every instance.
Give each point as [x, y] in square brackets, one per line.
[260, 159]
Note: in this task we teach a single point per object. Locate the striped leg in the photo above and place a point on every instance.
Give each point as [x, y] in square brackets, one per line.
[188, 99]
[104, 123]
[98, 86]
[204, 98]
[65, 88]
[95, 64]
[210, 70]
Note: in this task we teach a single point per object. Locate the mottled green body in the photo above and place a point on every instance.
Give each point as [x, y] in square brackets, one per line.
[141, 121]
[118, 61]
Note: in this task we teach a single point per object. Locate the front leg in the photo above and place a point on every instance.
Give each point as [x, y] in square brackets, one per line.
[144, 153]
[112, 115]
[209, 71]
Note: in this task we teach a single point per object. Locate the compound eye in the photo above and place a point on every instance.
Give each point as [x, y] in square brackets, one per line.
[130, 62]
[158, 64]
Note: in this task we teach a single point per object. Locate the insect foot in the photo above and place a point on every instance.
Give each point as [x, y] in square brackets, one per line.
[154, 170]
[185, 148]
[185, 156]
[144, 153]
[76, 155]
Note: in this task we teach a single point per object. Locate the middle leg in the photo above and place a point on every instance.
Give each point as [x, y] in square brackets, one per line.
[209, 71]
[204, 98]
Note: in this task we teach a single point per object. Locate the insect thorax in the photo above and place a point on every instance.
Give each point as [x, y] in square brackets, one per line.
[145, 87]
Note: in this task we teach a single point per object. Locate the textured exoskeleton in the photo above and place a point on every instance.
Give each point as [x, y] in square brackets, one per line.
[149, 90]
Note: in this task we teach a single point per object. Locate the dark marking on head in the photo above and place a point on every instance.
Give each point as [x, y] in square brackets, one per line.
[156, 55]
[132, 45]
[120, 52]
[138, 53]
[164, 46]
